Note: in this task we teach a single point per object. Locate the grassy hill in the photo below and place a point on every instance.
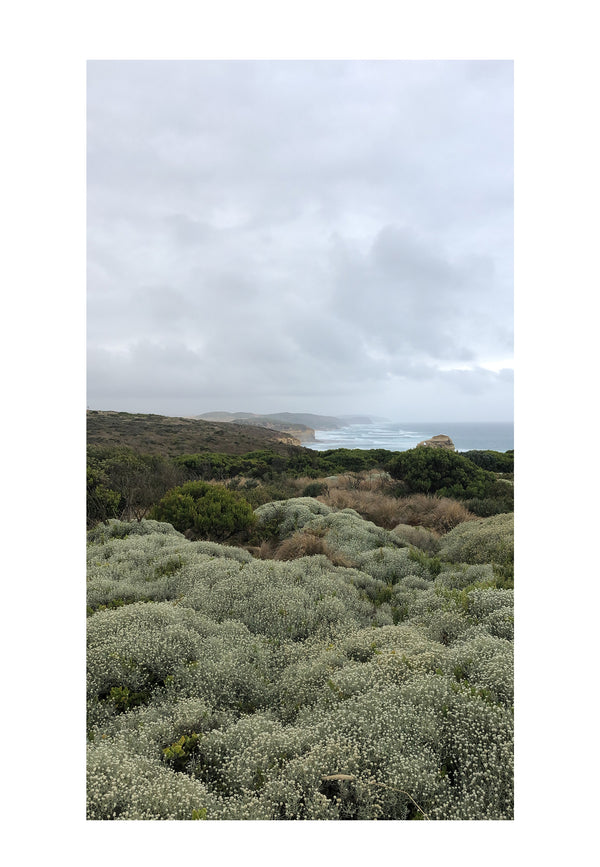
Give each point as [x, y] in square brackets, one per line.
[169, 436]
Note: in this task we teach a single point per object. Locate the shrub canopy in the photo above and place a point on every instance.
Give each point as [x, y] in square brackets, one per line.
[210, 511]
[438, 471]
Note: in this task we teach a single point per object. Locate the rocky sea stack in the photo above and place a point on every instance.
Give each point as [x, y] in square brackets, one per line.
[441, 441]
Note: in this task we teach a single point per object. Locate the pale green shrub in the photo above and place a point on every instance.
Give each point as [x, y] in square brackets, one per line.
[501, 623]
[289, 674]
[280, 599]
[462, 576]
[135, 567]
[484, 662]
[116, 529]
[420, 537]
[138, 646]
[390, 564]
[289, 515]
[214, 549]
[488, 540]
[125, 786]
[349, 534]
[485, 601]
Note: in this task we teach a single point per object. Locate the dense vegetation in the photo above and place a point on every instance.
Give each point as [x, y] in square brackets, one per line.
[346, 655]
[166, 435]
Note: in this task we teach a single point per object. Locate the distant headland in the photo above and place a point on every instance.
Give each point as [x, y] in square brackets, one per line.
[301, 425]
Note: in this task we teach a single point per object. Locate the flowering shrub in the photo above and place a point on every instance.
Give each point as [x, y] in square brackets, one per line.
[489, 540]
[225, 687]
[284, 518]
[390, 564]
[115, 529]
[418, 537]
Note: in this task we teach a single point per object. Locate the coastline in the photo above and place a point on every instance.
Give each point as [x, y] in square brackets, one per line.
[401, 436]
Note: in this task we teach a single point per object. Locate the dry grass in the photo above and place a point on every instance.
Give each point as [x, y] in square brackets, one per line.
[301, 544]
[379, 508]
[306, 544]
[264, 551]
[435, 513]
[440, 514]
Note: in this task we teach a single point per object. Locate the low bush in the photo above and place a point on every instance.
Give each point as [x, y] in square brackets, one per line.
[486, 507]
[315, 489]
[418, 537]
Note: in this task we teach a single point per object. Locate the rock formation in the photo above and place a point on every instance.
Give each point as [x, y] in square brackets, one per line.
[441, 441]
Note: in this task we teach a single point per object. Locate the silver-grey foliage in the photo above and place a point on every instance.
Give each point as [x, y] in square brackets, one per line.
[305, 690]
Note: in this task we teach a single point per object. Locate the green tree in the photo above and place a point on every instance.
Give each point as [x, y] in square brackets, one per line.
[138, 480]
[102, 502]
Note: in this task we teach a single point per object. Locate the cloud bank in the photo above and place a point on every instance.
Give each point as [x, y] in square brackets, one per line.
[318, 236]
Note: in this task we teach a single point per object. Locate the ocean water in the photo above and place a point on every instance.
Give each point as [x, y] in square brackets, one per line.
[400, 436]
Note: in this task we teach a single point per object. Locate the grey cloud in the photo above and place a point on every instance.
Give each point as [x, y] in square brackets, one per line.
[298, 235]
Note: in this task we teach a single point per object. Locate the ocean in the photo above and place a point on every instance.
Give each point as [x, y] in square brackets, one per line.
[400, 436]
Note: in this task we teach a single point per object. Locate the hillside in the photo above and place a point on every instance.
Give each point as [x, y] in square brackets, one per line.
[168, 436]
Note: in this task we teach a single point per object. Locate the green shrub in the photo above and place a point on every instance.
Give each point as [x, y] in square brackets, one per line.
[208, 511]
[102, 501]
[178, 755]
[439, 471]
[496, 462]
[315, 489]
[486, 507]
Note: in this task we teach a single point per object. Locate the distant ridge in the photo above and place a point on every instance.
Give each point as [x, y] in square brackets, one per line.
[309, 419]
[301, 425]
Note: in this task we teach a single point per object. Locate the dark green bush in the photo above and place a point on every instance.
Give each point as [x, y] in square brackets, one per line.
[496, 462]
[315, 489]
[102, 502]
[208, 511]
[439, 471]
[485, 507]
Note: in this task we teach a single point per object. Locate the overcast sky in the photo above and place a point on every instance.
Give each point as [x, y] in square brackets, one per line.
[319, 236]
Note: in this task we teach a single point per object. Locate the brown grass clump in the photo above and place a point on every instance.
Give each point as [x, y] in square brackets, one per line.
[367, 480]
[264, 551]
[379, 508]
[439, 514]
[435, 513]
[307, 544]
